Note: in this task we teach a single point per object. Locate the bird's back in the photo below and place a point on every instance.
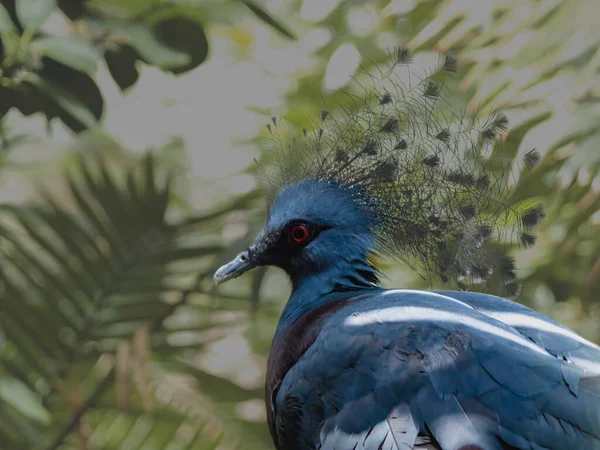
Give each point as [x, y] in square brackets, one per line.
[404, 369]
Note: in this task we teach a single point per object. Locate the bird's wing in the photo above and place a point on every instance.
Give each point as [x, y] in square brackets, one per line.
[422, 370]
[557, 339]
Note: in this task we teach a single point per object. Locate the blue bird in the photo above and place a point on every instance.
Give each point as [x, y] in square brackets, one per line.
[354, 366]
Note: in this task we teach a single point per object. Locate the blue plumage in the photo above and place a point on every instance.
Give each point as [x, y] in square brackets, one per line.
[354, 366]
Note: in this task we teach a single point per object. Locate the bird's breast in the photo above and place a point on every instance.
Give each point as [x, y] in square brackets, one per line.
[289, 345]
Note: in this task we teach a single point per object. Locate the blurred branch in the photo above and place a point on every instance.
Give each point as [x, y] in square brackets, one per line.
[268, 19]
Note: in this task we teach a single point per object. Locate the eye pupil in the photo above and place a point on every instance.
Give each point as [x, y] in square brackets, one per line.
[299, 233]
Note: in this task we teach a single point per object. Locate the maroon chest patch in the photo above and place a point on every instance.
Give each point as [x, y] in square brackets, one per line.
[290, 345]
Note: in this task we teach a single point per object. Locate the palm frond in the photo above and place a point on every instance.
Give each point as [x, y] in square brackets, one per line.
[80, 278]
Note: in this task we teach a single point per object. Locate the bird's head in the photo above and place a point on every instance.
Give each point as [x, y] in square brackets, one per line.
[311, 226]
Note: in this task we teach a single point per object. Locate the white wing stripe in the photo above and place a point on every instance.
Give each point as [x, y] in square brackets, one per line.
[417, 313]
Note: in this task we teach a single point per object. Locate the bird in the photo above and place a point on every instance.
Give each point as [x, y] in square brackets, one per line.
[356, 366]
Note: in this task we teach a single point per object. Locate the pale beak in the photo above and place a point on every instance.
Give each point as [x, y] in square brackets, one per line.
[233, 268]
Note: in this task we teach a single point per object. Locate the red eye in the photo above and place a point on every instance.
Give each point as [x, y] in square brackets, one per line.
[299, 233]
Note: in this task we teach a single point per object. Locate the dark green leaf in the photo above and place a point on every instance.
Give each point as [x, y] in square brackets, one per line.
[185, 36]
[45, 294]
[79, 86]
[70, 104]
[121, 64]
[21, 429]
[80, 278]
[71, 52]
[152, 49]
[28, 100]
[21, 398]
[28, 350]
[78, 241]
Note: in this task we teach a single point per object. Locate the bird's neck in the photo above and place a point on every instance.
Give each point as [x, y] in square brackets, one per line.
[348, 276]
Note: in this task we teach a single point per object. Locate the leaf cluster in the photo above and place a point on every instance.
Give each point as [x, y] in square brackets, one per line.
[53, 72]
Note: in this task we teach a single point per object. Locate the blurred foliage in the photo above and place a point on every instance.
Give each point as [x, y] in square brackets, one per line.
[107, 306]
[49, 71]
[89, 294]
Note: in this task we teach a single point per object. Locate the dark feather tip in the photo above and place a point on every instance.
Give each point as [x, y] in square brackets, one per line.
[468, 212]
[431, 161]
[434, 220]
[324, 114]
[480, 271]
[512, 289]
[341, 155]
[401, 145]
[487, 136]
[403, 56]
[390, 126]
[466, 179]
[527, 239]
[385, 99]
[531, 159]
[269, 128]
[506, 265]
[482, 233]
[370, 148]
[387, 171]
[482, 181]
[274, 120]
[450, 64]
[532, 217]
[495, 126]
[431, 90]
[443, 135]
[499, 122]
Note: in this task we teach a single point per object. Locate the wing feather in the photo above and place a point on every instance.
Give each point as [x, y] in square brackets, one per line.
[383, 378]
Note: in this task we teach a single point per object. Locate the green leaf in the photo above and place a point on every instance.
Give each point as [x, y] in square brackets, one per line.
[152, 50]
[31, 225]
[121, 64]
[79, 85]
[15, 424]
[268, 19]
[128, 9]
[21, 398]
[63, 99]
[183, 35]
[71, 52]
[6, 23]
[33, 13]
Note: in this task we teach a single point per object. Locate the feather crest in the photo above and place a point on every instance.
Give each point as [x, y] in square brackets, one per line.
[434, 181]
